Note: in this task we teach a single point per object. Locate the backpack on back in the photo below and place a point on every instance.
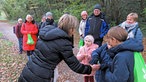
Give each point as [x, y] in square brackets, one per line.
[14, 29]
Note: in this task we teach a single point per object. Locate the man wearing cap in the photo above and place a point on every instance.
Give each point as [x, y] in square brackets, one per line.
[98, 27]
[49, 20]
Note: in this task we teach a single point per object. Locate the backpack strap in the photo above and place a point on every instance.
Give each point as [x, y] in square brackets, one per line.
[136, 31]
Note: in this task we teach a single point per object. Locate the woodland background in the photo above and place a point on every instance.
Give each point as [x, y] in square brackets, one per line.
[115, 10]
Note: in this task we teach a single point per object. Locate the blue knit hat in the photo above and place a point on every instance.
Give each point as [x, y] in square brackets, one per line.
[97, 6]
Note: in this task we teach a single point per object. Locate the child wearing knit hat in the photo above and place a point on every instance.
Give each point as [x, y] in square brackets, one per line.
[84, 54]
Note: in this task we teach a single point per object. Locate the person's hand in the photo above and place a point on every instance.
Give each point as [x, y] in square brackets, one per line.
[95, 67]
[85, 55]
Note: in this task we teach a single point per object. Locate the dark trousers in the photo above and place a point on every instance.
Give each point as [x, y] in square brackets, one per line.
[88, 78]
[29, 53]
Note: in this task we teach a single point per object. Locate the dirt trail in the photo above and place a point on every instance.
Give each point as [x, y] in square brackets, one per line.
[7, 30]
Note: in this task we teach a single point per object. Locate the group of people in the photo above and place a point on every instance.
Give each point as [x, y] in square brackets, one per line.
[95, 25]
[92, 30]
[112, 61]
[22, 30]
[29, 26]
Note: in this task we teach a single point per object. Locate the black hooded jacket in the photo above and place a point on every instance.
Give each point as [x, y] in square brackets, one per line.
[53, 46]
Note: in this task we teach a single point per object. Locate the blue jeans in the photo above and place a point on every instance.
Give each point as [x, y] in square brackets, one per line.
[29, 58]
[20, 44]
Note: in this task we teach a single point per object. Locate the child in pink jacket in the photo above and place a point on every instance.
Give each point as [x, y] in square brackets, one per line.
[84, 54]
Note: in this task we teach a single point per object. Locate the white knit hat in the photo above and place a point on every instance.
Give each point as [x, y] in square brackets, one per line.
[89, 37]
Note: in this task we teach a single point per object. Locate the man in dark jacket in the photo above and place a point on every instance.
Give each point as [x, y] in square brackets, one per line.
[98, 26]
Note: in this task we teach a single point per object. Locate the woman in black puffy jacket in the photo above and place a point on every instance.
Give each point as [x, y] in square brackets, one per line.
[53, 46]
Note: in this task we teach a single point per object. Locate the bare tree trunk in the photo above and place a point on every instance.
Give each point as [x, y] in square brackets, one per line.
[49, 5]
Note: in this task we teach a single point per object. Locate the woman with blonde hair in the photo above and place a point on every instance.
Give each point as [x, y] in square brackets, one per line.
[53, 46]
[131, 25]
